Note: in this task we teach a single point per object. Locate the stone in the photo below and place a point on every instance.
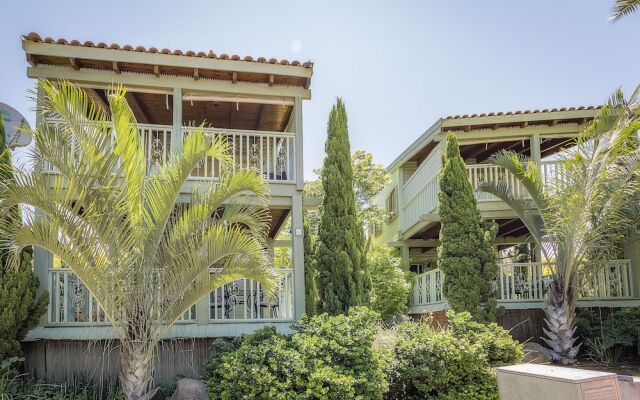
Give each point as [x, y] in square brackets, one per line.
[536, 353]
[190, 389]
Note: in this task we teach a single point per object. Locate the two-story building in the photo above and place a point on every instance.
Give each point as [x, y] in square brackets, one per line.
[413, 223]
[256, 103]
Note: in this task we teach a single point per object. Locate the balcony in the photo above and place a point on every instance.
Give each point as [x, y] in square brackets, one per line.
[271, 154]
[420, 192]
[518, 284]
[71, 303]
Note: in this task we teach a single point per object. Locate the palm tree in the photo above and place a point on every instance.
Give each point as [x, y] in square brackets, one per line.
[622, 8]
[579, 215]
[119, 225]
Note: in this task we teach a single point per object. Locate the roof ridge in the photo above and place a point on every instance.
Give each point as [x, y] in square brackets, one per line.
[34, 37]
[536, 111]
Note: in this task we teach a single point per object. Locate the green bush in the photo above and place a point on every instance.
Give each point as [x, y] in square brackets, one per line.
[327, 357]
[495, 341]
[456, 363]
[608, 339]
[390, 284]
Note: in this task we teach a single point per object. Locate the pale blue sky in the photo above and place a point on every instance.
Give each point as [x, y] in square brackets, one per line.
[399, 65]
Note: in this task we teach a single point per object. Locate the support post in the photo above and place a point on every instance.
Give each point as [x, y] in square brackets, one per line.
[297, 254]
[534, 146]
[176, 135]
[297, 115]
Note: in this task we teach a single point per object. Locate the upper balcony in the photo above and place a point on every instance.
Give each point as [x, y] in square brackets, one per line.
[271, 154]
[420, 191]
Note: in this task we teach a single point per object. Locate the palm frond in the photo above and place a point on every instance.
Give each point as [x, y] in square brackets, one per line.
[622, 8]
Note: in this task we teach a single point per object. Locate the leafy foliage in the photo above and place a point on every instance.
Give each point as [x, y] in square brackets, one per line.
[19, 309]
[390, 284]
[578, 217]
[114, 219]
[310, 275]
[608, 339]
[452, 364]
[496, 342]
[327, 357]
[467, 256]
[343, 279]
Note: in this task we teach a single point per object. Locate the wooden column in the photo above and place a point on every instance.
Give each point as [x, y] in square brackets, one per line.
[297, 254]
[534, 145]
[297, 124]
[176, 135]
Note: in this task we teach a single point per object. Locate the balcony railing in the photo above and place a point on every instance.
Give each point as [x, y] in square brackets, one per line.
[245, 299]
[271, 154]
[71, 302]
[528, 282]
[420, 192]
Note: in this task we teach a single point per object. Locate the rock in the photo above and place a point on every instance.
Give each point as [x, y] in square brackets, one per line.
[190, 389]
[536, 353]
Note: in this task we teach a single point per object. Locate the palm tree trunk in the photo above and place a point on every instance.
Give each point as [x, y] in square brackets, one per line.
[136, 370]
[560, 313]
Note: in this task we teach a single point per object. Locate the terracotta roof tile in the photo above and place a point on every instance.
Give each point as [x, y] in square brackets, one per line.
[34, 37]
[522, 112]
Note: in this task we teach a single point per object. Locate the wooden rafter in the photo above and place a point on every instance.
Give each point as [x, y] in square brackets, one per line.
[234, 77]
[74, 63]
[137, 108]
[156, 71]
[271, 79]
[196, 74]
[262, 114]
[116, 67]
[95, 96]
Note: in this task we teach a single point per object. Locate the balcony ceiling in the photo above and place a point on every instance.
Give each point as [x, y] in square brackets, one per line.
[154, 108]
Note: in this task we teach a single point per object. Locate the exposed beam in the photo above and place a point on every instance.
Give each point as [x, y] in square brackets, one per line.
[149, 81]
[272, 79]
[95, 53]
[93, 94]
[115, 67]
[234, 77]
[74, 63]
[507, 134]
[261, 117]
[307, 83]
[32, 60]
[196, 74]
[156, 71]
[137, 108]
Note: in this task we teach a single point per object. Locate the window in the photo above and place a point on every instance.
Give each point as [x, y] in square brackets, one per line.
[392, 205]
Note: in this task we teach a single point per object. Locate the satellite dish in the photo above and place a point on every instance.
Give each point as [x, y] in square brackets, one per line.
[13, 123]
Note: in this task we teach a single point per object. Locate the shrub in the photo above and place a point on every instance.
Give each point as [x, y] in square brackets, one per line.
[327, 357]
[452, 364]
[495, 341]
[390, 284]
[608, 339]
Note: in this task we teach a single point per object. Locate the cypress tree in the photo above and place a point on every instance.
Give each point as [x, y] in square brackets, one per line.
[19, 311]
[466, 256]
[340, 252]
[311, 289]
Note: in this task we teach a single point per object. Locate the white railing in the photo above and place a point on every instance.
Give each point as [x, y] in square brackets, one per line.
[427, 288]
[420, 193]
[245, 299]
[480, 173]
[271, 154]
[71, 302]
[528, 282]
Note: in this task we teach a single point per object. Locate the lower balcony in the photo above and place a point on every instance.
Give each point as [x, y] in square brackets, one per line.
[243, 300]
[523, 285]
